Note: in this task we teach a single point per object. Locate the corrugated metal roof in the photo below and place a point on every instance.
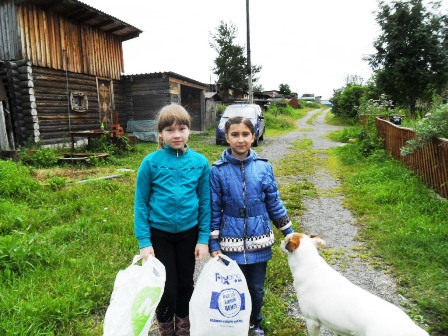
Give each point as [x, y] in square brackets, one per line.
[214, 95]
[80, 12]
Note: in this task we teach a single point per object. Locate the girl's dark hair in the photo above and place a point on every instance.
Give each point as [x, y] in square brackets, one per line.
[239, 120]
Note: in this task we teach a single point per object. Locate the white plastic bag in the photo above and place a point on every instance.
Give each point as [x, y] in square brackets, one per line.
[220, 304]
[136, 294]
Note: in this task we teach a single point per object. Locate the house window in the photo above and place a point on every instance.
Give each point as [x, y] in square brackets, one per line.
[78, 102]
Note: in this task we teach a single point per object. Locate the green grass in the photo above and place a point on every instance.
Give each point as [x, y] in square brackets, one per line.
[62, 243]
[405, 224]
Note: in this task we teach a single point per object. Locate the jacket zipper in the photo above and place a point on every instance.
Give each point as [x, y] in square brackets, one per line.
[243, 181]
[177, 187]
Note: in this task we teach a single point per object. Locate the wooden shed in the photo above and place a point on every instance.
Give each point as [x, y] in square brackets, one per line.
[61, 63]
[212, 99]
[147, 93]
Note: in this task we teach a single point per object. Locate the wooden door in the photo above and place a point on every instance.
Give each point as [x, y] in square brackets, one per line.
[105, 103]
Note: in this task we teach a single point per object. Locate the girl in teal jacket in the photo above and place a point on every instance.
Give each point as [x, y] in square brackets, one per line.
[172, 214]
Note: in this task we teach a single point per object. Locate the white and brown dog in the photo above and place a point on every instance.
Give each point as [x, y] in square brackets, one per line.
[327, 298]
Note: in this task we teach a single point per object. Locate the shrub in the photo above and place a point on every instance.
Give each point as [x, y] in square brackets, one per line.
[42, 158]
[434, 125]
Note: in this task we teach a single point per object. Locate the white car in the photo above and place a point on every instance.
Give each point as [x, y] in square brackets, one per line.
[251, 111]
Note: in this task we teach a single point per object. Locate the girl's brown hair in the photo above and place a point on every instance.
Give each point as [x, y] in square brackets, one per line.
[172, 114]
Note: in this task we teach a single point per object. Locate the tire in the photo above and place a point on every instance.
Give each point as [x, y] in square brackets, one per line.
[255, 143]
[262, 136]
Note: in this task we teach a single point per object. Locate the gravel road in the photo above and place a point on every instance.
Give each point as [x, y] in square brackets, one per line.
[325, 216]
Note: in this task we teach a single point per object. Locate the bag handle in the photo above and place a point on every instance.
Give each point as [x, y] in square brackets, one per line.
[224, 257]
[158, 266]
[136, 259]
[151, 262]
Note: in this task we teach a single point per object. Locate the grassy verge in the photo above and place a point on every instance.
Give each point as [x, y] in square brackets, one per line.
[62, 242]
[404, 224]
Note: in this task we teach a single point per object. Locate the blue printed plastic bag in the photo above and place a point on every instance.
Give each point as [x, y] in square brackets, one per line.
[220, 304]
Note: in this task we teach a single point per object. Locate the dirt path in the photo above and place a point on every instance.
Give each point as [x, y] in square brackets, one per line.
[325, 215]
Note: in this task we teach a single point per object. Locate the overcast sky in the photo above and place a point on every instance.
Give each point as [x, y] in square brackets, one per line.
[310, 45]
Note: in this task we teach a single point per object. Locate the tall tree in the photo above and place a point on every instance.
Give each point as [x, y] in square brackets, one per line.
[258, 88]
[411, 61]
[284, 89]
[231, 63]
[346, 100]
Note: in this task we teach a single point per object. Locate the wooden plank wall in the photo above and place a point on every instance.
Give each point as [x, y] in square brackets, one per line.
[50, 40]
[10, 47]
[119, 104]
[146, 96]
[191, 100]
[430, 162]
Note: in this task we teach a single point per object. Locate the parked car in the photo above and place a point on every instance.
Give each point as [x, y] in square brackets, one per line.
[251, 111]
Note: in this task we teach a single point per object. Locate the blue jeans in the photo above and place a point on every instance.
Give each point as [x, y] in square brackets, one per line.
[255, 275]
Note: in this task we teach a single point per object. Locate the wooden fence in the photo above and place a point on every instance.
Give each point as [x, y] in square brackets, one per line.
[430, 163]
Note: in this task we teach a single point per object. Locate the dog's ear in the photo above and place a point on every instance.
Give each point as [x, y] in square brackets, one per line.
[293, 242]
[318, 241]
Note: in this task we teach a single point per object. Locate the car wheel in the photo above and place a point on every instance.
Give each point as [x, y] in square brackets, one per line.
[255, 143]
[218, 142]
[262, 136]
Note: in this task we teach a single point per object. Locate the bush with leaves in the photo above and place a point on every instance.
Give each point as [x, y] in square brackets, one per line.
[378, 107]
[434, 125]
[41, 157]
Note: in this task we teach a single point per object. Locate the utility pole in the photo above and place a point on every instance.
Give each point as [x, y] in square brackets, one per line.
[249, 66]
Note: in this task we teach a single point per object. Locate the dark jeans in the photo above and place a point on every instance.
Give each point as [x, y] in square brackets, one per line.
[176, 252]
[255, 275]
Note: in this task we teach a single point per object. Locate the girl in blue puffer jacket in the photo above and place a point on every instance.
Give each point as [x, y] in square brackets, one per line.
[245, 200]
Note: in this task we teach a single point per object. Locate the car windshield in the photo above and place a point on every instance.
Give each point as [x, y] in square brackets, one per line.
[242, 111]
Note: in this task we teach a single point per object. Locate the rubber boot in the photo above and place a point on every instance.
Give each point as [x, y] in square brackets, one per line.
[182, 326]
[166, 328]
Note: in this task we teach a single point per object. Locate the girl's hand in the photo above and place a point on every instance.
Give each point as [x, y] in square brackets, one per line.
[215, 253]
[200, 251]
[146, 252]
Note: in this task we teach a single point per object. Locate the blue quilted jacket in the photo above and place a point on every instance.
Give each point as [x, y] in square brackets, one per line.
[244, 201]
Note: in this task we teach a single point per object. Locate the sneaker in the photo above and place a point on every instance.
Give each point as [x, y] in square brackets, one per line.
[256, 330]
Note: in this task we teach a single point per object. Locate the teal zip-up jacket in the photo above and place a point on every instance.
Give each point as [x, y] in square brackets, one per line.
[172, 194]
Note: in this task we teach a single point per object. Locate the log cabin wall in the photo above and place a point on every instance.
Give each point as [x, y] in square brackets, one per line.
[41, 107]
[50, 50]
[21, 100]
[56, 118]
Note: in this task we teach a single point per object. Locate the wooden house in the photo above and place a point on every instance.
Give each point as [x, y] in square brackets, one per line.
[146, 93]
[61, 63]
